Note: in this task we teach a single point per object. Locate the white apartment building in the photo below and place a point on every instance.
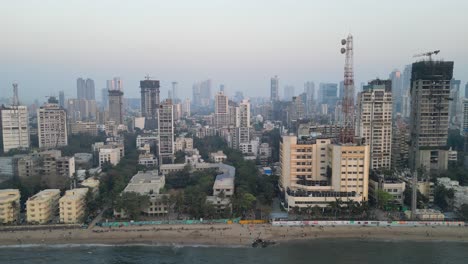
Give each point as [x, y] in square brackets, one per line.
[110, 154]
[14, 123]
[183, 144]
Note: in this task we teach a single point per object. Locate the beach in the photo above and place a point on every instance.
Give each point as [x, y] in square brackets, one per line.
[226, 234]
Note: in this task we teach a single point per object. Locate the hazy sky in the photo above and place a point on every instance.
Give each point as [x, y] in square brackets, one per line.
[46, 45]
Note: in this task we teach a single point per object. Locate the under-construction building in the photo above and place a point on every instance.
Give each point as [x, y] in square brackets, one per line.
[429, 118]
[150, 102]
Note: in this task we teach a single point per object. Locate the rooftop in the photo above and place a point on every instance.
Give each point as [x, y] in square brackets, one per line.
[146, 182]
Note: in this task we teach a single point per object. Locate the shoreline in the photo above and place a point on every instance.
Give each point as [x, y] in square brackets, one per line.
[225, 235]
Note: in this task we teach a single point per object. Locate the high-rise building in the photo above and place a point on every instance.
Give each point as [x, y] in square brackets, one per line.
[166, 132]
[104, 98]
[309, 90]
[150, 102]
[116, 109]
[14, 122]
[296, 110]
[405, 92]
[315, 172]
[327, 94]
[274, 89]
[62, 99]
[464, 125]
[238, 96]
[175, 92]
[374, 121]
[85, 89]
[81, 109]
[52, 125]
[400, 147]
[244, 122]
[186, 108]
[395, 77]
[221, 110]
[205, 93]
[289, 92]
[454, 108]
[429, 119]
[466, 90]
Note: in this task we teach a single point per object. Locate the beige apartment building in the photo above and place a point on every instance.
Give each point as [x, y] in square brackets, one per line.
[315, 172]
[73, 206]
[52, 126]
[42, 207]
[9, 206]
[110, 154]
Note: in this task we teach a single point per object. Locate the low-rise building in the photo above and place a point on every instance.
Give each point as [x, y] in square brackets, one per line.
[249, 147]
[148, 160]
[183, 144]
[460, 192]
[92, 184]
[109, 154]
[394, 187]
[73, 206]
[426, 215]
[149, 183]
[9, 206]
[79, 127]
[218, 156]
[43, 206]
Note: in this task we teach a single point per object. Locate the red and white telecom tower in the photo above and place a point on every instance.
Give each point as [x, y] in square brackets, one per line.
[347, 101]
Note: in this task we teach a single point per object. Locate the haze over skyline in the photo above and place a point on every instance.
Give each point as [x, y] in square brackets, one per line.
[46, 45]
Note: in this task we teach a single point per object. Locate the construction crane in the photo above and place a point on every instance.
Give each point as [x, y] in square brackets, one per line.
[427, 54]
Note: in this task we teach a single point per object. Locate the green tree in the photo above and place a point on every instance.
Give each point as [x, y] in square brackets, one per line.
[464, 211]
[383, 198]
[132, 204]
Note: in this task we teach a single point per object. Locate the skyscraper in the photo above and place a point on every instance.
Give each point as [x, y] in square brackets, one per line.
[221, 110]
[116, 110]
[166, 132]
[205, 93]
[274, 89]
[175, 92]
[327, 94]
[85, 89]
[454, 108]
[52, 125]
[429, 119]
[289, 92]
[374, 121]
[62, 99]
[150, 102]
[244, 122]
[186, 108]
[395, 77]
[309, 90]
[105, 98]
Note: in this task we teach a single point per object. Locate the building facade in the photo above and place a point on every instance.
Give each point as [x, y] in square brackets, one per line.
[52, 126]
[73, 206]
[14, 124]
[43, 206]
[9, 206]
[374, 121]
[166, 132]
[150, 102]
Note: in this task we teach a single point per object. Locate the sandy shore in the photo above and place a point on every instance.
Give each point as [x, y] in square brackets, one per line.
[221, 234]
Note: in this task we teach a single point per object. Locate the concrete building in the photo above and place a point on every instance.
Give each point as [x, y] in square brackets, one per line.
[9, 206]
[73, 206]
[81, 109]
[186, 108]
[14, 127]
[148, 160]
[52, 126]
[85, 89]
[223, 190]
[396, 188]
[374, 121]
[109, 154]
[429, 120]
[116, 109]
[43, 206]
[250, 147]
[79, 127]
[243, 131]
[315, 172]
[461, 192]
[274, 89]
[149, 183]
[49, 164]
[183, 144]
[464, 124]
[400, 144]
[92, 184]
[397, 91]
[150, 102]
[166, 132]
[289, 92]
[454, 107]
[218, 156]
[221, 110]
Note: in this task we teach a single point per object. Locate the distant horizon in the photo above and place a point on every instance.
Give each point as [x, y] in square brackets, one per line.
[47, 45]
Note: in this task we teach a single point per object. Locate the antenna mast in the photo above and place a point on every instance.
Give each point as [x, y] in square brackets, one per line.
[347, 103]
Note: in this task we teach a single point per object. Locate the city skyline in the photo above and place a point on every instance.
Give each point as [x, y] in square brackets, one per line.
[233, 46]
